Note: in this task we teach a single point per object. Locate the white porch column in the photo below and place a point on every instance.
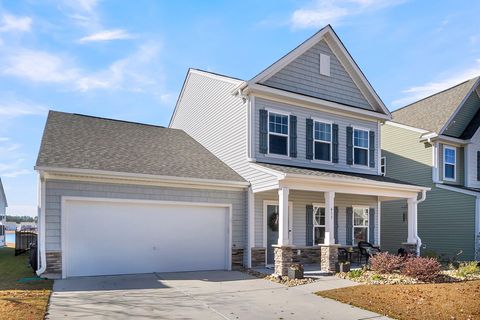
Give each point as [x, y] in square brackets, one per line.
[412, 220]
[251, 226]
[329, 217]
[283, 216]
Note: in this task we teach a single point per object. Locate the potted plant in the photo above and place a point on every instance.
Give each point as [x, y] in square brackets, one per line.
[295, 271]
[342, 266]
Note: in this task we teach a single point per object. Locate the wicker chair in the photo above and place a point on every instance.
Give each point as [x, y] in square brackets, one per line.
[367, 250]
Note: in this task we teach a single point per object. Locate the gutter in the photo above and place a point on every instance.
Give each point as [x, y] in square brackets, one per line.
[419, 240]
[41, 218]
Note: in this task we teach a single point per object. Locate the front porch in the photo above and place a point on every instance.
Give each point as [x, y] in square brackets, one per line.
[306, 221]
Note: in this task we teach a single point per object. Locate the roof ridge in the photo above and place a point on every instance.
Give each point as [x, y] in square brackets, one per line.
[110, 119]
[436, 93]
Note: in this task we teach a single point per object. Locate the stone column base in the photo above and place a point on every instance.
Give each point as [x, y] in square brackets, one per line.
[410, 247]
[328, 257]
[283, 259]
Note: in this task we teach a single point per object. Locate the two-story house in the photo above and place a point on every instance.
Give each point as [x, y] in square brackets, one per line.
[281, 168]
[435, 142]
[305, 133]
[3, 214]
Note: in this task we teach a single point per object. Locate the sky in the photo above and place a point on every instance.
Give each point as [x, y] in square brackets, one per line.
[128, 59]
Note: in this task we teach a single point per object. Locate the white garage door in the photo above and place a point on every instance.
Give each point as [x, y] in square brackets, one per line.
[123, 237]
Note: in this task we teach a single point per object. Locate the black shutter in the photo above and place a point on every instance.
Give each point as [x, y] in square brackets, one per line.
[349, 225]
[263, 136]
[372, 149]
[309, 226]
[335, 224]
[478, 165]
[335, 143]
[293, 136]
[371, 225]
[349, 145]
[309, 140]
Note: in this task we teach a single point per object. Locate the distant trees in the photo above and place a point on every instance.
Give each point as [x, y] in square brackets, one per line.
[19, 219]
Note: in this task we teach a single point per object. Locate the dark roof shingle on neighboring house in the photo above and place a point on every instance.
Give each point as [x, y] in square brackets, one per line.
[76, 141]
[433, 112]
[338, 175]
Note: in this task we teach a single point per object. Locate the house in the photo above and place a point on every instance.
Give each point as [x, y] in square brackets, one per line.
[281, 168]
[118, 197]
[11, 225]
[3, 214]
[28, 226]
[305, 133]
[435, 142]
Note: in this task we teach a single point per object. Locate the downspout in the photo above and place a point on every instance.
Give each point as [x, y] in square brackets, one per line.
[419, 240]
[41, 219]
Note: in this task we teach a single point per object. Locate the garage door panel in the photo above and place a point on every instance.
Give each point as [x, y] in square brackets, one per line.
[121, 238]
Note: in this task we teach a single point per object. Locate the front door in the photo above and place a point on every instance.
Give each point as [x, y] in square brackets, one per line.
[272, 231]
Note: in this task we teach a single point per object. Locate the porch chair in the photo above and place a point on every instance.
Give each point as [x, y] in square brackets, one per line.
[367, 250]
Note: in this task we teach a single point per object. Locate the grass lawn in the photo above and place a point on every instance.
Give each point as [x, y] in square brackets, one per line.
[21, 300]
[459, 300]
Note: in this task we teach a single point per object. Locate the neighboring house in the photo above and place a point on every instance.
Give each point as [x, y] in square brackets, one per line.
[118, 197]
[11, 225]
[435, 142]
[28, 226]
[305, 133]
[3, 214]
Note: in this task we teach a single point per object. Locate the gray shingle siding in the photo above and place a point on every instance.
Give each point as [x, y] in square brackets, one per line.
[302, 114]
[55, 189]
[303, 76]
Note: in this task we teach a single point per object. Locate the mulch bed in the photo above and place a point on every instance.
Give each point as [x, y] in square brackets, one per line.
[458, 300]
[279, 279]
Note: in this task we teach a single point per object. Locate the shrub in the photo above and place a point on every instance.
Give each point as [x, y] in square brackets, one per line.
[468, 268]
[423, 269]
[385, 262]
[356, 273]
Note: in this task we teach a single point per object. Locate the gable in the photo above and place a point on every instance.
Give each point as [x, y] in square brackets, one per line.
[465, 122]
[303, 76]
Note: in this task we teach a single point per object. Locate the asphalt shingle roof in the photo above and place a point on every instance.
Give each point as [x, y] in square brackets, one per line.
[433, 112]
[338, 175]
[85, 142]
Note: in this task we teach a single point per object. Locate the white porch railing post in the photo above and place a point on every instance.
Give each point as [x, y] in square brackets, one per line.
[283, 216]
[412, 220]
[329, 217]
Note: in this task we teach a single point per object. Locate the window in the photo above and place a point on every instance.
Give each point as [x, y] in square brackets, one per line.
[277, 134]
[318, 224]
[360, 147]
[360, 224]
[449, 162]
[322, 141]
[383, 166]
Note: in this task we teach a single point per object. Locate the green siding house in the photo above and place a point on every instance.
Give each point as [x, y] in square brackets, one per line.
[435, 142]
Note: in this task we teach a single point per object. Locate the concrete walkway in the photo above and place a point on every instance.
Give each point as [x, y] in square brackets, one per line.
[192, 295]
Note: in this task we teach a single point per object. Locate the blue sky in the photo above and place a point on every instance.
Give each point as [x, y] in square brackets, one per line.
[128, 59]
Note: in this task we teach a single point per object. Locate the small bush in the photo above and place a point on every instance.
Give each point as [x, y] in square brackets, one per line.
[468, 268]
[377, 277]
[356, 273]
[386, 263]
[423, 269]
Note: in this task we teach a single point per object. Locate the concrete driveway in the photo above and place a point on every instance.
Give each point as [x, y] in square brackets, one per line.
[191, 295]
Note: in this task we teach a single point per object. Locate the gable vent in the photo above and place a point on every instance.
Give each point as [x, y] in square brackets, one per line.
[324, 64]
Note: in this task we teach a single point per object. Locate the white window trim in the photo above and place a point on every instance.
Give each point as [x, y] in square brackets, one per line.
[320, 205]
[445, 148]
[275, 155]
[353, 223]
[315, 140]
[367, 148]
[265, 224]
[383, 166]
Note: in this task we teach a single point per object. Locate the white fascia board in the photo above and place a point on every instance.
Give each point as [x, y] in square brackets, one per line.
[313, 103]
[444, 139]
[454, 114]
[47, 171]
[404, 126]
[459, 190]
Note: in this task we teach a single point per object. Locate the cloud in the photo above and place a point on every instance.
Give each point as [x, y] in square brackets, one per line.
[39, 66]
[107, 35]
[11, 107]
[415, 93]
[13, 23]
[322, 12]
